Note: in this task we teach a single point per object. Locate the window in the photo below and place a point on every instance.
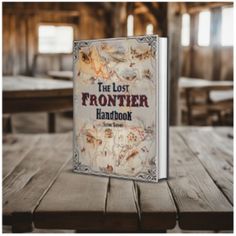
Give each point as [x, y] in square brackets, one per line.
[185, 33]
[130, 25]
[227, 30]
[204, 28]
[149, 29]
[55, 39]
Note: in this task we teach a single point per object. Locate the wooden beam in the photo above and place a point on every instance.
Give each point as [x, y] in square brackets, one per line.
[216, 17]
[174, 33]
[118, 18]
[193, 42]
[140, 9]
[197, 7]
[157, 16]
[40, 12]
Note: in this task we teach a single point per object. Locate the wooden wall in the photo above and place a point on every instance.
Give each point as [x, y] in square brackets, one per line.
[20, 34]
[90, 21]
[213, 62]
[106, 19]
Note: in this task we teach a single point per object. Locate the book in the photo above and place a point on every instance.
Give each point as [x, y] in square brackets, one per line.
[121, 107]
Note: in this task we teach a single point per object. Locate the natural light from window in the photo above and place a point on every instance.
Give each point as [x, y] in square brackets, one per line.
[149, 29]
[55, 39]
[204, 28]
[227, 29]
[130, 25]
[185, 33]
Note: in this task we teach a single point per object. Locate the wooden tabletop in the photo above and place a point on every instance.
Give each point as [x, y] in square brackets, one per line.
[29, 94]
[195, 83]
[29, 86]
[39, 187]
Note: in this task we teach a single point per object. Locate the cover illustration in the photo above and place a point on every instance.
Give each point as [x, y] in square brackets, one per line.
[115, 107]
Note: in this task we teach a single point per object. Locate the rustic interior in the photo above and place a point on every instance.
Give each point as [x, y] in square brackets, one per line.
[214, 62]
[42, 194]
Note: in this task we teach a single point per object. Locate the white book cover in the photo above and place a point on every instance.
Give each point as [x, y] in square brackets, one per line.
[116, 121]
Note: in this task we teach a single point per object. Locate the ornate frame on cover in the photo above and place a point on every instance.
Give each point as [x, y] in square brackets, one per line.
[152, 176]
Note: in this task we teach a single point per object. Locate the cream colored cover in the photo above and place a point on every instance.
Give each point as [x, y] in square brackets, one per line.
[115, 107]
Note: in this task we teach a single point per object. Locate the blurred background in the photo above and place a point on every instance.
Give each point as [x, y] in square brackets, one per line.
[37, 57]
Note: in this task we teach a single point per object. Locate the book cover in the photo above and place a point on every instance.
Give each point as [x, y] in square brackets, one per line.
[115, 104]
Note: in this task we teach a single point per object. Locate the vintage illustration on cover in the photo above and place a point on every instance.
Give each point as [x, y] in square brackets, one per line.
[115, 107]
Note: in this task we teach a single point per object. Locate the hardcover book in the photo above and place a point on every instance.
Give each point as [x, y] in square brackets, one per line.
[120, 107]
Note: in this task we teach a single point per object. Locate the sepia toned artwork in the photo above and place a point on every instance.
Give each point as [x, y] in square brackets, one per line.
[115, 107]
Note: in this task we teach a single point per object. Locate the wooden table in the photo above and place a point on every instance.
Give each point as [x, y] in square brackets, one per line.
[194, 83]
[40, 188]
[219, 95]
[31, 94]
[62, 75]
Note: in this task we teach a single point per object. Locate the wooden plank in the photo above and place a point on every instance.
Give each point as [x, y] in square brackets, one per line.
[44, 13]
[75, 201]
[15, 148]
[201, 205]
[21, 52]
[225, 132]
[12, 49]
[196, 7]
[157, 208]
[216, 156]
[115, 208]
[193, 41]
[122, 206]
[216, 19]
[31, 178]
[23, 86]
[32, 44]
[6, 46]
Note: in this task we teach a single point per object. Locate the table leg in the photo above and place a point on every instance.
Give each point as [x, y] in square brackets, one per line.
[7, 124]
[189, 107]
[51, 122]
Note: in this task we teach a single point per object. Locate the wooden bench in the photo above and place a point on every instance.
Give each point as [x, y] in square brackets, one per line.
[41, 191]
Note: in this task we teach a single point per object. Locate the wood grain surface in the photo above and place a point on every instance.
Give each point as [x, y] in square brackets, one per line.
[26, 83]
[31, 94]
[215, 158]
[40, 187]
[200, 202]
[24, 186]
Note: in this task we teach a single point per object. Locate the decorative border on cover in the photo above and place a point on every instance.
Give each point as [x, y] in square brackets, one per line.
[151, 176]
